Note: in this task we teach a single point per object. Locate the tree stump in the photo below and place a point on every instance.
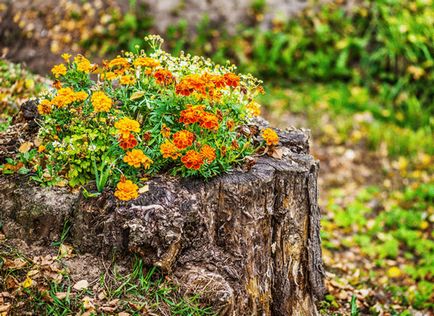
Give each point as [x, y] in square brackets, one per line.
[247, 241]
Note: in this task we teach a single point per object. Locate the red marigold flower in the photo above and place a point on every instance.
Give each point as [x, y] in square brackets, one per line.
[163, 76]
[192, 160]
[183, 139]
[127, 141]
[209, 121]
[208, 153]
[192, 114]
[231, 79]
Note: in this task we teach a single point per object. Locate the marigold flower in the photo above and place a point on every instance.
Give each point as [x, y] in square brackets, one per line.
[64, 97]
[41, 148]
[218, 81]
[231, 79]
[192, 160]
[209, 121]
[136, 157]
[57, 84]
[183, 139]
[126, 190]
[163, 76]
[59, 70]
[80, 96]
[146, 62]
[254, 108]
[189, 84]
[119, 62]
[169, 150]
[66, 57]
[230, 124]
[101, 102]
[165, 131]
[270, 137]
[127, 80]
[83, 64]
[109, 75]
[126, 125]
[208, 153]
[44, 107]
[127, 142]
[192, 114]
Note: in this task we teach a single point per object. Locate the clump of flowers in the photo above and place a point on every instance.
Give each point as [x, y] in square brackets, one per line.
[141, 114]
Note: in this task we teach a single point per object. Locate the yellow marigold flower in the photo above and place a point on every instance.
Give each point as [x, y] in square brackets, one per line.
[146, 62]
[126, 125]
[127, 80]
[165, 131]
[81, 96]
[44, 107]
[83, 64]
[270, 137]
[101, 102]
[66, 57]
[169, 150]
[59, 70]
[109, 75]
[136, 157]
[254, 108]
[208, 153]
[41, 148]
[119, 62]
[126, 190]
[64, 97]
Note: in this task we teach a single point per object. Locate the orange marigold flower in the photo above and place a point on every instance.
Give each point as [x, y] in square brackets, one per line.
[126, 125]
[163, 76]
[81, 96]
[165, 131]
[126, 190]
[230, 124]
[209, 121]
[64, 97]
[192, 114]
[41, 148]
[270, 137]
[57, 84]
[183, 139]
[127, 80]
[189, 84]
[83, 64]
[44, 107]
[109, 75]
[136, 157]
[127, 142]
[146, 62]
[119, 62]
[192, 160]
[254, 108]
[208, 153]
[231, 79]
[169, 150]
[59, 70]
[101, 102]
[218, 81]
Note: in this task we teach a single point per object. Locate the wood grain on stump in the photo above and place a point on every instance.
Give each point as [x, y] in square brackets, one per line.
[247, 241]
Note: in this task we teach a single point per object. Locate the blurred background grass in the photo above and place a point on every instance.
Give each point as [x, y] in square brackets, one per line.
[358, 73]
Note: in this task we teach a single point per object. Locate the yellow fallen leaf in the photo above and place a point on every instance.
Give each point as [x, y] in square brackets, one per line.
[27, 283]
[25, 147]
[144, 189]
[136, 95]
[65, 251]
[394, 272]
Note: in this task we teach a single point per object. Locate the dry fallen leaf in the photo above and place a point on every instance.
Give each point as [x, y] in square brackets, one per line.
[81, 285]
[65, 251]
[144, 189]
[25, 147]
[61, 295]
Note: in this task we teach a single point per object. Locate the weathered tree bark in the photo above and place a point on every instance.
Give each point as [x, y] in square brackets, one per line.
[247, 241]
